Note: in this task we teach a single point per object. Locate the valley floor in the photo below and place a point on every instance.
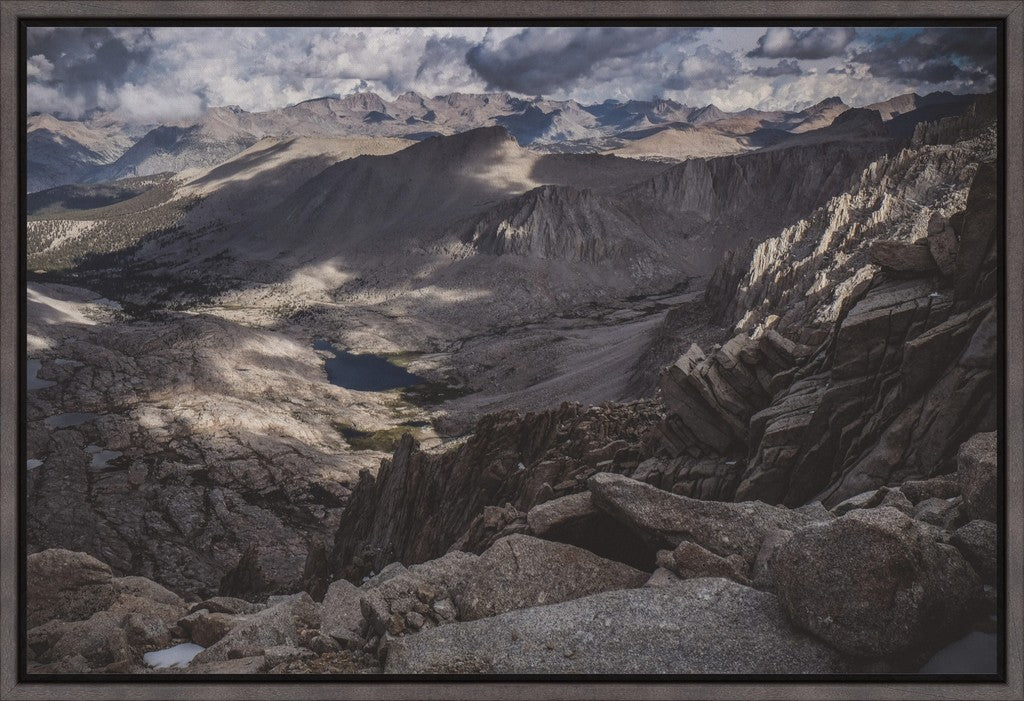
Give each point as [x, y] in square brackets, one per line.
[224, 438]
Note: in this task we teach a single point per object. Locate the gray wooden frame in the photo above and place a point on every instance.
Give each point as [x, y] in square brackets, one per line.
[10, 345]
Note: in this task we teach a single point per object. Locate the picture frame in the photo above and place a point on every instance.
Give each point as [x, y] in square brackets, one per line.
[14, 12]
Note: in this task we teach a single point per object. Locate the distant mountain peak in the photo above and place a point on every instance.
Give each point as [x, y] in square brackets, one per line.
[708, 113]
[363, 102]
[411, 96]
[827, 103]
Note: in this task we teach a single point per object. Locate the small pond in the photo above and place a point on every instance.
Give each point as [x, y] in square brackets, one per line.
[32, 379]
[364, 372]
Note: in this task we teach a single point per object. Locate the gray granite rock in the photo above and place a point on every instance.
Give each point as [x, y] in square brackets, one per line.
[342, 617]
[520, 571]
[700, 626]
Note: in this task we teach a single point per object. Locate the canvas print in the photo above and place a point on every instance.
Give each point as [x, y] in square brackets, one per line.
[512, 350]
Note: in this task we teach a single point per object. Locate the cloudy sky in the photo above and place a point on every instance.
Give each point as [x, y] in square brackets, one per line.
[160, 74]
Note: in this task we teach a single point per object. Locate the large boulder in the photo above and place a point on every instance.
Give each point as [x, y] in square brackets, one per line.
[700, 626]
[942, 244]
[205, 628]
[520, 571]
[668, 519]
[573, 519]
[66, 586]
[943, 487]
[977, 470]
[874, 583]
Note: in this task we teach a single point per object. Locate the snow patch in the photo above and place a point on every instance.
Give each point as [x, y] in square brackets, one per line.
[177, 656]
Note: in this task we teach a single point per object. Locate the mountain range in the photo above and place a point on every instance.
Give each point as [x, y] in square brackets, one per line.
[100, 148]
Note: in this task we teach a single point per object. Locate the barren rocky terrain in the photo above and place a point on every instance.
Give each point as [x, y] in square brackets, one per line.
[700, 392]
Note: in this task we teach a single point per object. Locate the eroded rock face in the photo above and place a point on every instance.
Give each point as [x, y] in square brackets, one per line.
[713, 398]
[519, 572]
[900, 368]
[837, 413]
[873, 583]
[698, 626]
[223, 445]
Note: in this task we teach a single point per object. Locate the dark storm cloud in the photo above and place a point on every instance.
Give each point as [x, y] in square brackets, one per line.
[85, 58]
[783, 67]
[935, 55]
[540, 60]
[818, 42]
[439, 55]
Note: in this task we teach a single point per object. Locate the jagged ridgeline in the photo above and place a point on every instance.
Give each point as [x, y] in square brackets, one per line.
[778, 331]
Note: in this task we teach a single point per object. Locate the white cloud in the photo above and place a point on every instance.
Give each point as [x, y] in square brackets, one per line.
[39, 67]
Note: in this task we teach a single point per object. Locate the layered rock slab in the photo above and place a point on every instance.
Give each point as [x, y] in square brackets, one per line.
[669, 519]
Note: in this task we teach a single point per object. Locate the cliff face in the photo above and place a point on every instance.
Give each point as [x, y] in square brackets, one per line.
[901, 376]
[906, 375]
[798, 281]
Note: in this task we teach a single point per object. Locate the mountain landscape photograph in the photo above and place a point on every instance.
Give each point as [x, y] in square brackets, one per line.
[513, 350]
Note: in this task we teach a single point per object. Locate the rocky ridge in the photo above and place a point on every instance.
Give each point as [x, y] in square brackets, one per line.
[774, 591]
